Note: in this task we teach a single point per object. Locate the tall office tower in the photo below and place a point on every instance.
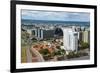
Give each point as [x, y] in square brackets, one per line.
[41, 34]
[86, 36]
[81, 36]
[70, 39]
[36, 33]
[44, 33]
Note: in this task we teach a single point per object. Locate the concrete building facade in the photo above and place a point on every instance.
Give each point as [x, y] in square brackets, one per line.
[43, 33]
[70, 39]
[84, 36]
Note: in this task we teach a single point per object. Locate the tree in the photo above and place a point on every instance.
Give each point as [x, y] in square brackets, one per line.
[84, 45]
[24, 37]
[45, 53]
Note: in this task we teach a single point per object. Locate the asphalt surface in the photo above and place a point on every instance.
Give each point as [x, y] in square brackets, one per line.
[80, 58]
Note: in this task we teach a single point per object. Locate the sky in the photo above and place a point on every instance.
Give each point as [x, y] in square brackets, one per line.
[55, 15]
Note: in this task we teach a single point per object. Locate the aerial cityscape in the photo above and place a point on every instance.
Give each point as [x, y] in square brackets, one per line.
[54, 36]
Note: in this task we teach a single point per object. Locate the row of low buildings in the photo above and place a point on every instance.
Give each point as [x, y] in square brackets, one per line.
[71, 35]
[41, 33]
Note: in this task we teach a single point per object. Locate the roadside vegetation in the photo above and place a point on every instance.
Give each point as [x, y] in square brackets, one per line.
[24, 46]
[23, 55]
[84, 45]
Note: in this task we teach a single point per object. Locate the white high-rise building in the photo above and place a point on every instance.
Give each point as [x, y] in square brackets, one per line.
[70, 39]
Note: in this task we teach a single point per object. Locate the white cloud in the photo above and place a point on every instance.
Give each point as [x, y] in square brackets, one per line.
[51, 15]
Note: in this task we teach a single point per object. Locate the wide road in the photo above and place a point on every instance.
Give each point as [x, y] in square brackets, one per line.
[36, 53]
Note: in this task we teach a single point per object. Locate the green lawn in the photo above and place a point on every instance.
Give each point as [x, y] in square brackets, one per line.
[23, 54]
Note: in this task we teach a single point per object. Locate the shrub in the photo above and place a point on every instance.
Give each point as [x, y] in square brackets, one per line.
[34, 39]
[45, 53]
[60, 52]
[84, 45]
[71, 55]
[76, 54]
[58, 47]
[63, 52]
[61, 43]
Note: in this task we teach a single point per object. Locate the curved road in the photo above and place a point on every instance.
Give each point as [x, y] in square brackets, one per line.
[37, 54]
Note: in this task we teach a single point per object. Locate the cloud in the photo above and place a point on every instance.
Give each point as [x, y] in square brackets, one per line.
[55, 16]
